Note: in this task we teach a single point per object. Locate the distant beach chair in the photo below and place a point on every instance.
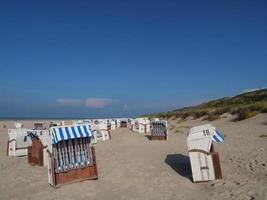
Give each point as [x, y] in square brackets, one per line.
[118, 123]
[141, 125]
[93, 129]
[39, 126]
[205, 163]
[18, 142]
[159, 130]
[105, 134]
[18, 125]
[124, 124]
[113, 125]
[92, 126]
[54, 123]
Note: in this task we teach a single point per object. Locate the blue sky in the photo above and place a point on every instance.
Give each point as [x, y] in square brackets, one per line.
[125, 58]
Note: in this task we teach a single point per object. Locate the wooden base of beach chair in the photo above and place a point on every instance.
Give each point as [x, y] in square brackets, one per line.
[213, 165]
[124, 125]
[76, 175]
[158, 137]
[216, 165]
[35, 153]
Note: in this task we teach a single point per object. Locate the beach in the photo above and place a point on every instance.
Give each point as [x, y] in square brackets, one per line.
[132, 167]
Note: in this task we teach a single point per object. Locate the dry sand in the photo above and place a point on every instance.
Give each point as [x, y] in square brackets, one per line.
[132, 167]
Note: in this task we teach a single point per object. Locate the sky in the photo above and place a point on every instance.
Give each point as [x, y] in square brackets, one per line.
[99, 59]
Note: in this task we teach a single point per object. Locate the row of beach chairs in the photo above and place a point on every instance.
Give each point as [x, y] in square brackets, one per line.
[68, 153]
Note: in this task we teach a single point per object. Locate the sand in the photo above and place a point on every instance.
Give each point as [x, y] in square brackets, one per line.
[132, 167]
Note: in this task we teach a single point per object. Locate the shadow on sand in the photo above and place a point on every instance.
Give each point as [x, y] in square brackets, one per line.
[181, 164]
[148, 137]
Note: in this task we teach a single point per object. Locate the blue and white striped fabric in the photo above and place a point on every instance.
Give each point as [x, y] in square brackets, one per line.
[217, 137]
[70, 132]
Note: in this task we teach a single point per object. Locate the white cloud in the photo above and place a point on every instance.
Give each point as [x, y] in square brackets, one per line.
[98, 102]
[89, 102]
[67, 101]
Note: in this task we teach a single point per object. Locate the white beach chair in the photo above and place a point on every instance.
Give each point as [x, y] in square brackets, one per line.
[205, 163]
[18, 142]
[113, 125]
[104, 131]
[159, 130]
[141, 125]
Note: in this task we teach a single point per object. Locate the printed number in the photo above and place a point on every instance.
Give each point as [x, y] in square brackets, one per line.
[206, 132]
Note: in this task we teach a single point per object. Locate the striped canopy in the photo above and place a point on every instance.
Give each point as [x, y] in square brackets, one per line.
[70, 132]
[217, 137]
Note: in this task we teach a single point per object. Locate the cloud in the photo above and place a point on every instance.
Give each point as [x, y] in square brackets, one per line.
[89, 102]
[98, 102]
[66, 101]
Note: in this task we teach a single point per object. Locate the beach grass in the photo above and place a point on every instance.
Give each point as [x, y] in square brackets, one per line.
[244, 106]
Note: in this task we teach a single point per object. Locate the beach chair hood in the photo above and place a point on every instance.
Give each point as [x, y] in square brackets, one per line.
[201, 137]
[70, 132]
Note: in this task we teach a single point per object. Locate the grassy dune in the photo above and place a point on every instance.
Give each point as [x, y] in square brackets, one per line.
[244, 106]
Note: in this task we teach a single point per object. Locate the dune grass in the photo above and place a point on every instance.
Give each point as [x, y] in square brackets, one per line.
[244, 106]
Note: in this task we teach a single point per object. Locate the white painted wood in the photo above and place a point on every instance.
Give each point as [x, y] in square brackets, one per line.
[200, 139]
[21, 141]
[45, 137]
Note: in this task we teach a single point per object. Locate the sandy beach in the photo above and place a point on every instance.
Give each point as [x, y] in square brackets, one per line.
[132, 167]
[133, 100]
